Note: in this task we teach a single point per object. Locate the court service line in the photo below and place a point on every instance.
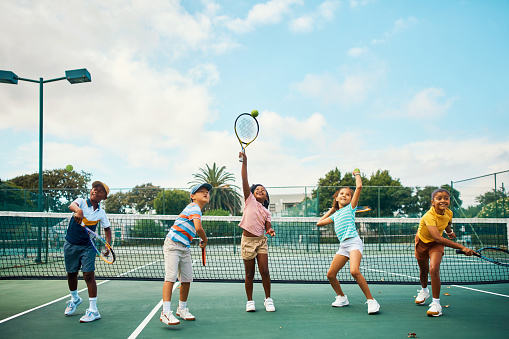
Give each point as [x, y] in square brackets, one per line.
[41, 306]
[150, 316]
[482, 291]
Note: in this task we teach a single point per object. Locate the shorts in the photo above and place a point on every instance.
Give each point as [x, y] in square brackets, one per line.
[250, 247]
[423, 249]
[349, 245]
[79, 256]
[177, 261]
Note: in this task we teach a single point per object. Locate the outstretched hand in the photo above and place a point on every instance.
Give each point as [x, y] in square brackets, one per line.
[243, 156]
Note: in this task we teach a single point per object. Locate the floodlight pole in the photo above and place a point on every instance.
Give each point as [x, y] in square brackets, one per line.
[73, 76]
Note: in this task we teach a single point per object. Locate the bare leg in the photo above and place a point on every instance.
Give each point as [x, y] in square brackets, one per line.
[434, 271]
[355, 263]
[337, 263]
[263, 266]
[424, 271]
[249, 266]
[89, 278]
[184, 290]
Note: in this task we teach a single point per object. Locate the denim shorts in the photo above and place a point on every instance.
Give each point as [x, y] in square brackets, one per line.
[79, 256]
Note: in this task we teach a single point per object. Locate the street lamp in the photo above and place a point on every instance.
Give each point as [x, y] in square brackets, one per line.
[75, 76]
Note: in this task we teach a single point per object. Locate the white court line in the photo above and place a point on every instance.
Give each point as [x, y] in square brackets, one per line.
[149, 316]
[67, 296]
[41, 306]
[473, 289]
[396, 274]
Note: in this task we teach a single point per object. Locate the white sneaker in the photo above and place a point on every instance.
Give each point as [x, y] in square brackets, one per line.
[250, 306]
[421, 297]
[168, 318]
[90, 316]
[269, 305]
[373, 306]
[71, 306]
[185, 314]
[341, 300]
[435, 309]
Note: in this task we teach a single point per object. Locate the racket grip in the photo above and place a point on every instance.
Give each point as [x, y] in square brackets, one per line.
[459, 252]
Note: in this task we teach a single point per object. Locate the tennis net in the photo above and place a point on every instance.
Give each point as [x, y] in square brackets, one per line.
[31, 246]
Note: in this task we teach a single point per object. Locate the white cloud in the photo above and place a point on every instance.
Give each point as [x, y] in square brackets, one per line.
[427, 103]
[307, 22]
[399, 25]
[357, 51]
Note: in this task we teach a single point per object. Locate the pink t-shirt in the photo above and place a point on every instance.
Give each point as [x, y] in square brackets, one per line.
[254, 217]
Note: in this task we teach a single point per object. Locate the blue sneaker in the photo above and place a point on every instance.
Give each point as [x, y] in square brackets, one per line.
[71, 306]
[90, 316]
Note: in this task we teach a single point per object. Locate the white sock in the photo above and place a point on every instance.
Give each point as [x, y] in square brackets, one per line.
[93, 304]
[182, 304]
[425, 289]
[74, 295]
[166, 306]
[435, 300]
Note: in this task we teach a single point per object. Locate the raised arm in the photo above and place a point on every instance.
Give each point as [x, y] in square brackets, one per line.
[245, 183]
[325, 220]
[358, 188]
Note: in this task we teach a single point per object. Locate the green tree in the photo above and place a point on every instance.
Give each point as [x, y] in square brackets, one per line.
[59, 187]
[327, 186]
[217, 212]
[148, 229]
[15, 198]
[224, 194]
[495, 209]
[141, 198]
[116, 203]
[171, 202]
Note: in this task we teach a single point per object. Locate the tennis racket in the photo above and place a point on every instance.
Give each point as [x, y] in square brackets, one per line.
[246, 128]
[361, 209]
[494, 255]
[97, 242]
[203, 255]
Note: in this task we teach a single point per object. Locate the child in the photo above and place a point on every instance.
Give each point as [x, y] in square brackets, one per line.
[429, 247]
[177, 254]
[255, 224]
[78, 251]
[342, 214]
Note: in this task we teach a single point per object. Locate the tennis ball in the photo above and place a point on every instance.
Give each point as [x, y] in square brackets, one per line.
[254, 113]
[357, 170]
[69, 168]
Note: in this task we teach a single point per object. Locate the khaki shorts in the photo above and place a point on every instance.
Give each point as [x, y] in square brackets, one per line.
[423, 249]
[177, 262]
[251, 246]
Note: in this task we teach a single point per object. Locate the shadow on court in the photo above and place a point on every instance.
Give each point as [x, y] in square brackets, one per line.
[302, 311]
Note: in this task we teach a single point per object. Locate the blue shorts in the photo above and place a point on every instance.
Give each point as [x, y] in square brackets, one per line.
[79, 256]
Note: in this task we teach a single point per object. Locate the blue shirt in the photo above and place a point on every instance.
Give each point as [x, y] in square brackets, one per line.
[76, 234]
[183, 230]
[344, 223]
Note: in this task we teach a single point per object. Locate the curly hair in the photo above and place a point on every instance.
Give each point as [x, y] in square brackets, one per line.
[266, 203]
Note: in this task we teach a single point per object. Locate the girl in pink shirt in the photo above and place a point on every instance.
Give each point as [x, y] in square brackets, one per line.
[255, 224]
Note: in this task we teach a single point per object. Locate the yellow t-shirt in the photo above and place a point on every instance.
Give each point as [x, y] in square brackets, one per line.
[432, 218]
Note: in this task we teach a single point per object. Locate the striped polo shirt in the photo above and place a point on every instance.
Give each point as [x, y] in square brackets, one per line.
[344, 223]
[76, 234]
[183, 230]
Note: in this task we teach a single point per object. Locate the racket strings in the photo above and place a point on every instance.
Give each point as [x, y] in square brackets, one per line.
[246, 128]
[496, 255]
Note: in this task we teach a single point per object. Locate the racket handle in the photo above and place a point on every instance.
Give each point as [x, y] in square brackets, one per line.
[459, 252]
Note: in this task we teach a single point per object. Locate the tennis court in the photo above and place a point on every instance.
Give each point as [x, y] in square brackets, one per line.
[33, 289]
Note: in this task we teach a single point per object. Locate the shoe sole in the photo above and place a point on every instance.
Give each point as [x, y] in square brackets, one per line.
[89, 321]
[434, 315]
[251, 310]
[171, 324]
[340, 305]
[420, 302]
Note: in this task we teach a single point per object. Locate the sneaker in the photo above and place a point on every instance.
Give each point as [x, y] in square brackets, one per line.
[421, 297]
[341, 300]
[435, 310]
[90, 316]
[185, 314]
[71, 306]
[373, 306]
[169, 318]
[250, 306]
[269, 305]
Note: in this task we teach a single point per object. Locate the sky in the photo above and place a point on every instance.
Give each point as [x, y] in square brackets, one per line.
[419, 88]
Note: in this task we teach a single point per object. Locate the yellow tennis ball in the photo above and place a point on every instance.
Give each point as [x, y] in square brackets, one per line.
[357, 170]
[69, 168]
[254, 113]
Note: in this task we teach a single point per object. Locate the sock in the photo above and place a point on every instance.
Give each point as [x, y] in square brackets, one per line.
[425, 289]
[74, 295]
[435, 300]
[93, 304]
[182, 304]
[166, 306]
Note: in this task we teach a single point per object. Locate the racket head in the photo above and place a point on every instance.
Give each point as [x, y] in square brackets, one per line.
[246, 128]
[203, 254]
[101, 247]
[361, 209]
[495, 255]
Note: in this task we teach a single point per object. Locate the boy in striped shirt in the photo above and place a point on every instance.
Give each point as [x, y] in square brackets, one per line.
[177, 254]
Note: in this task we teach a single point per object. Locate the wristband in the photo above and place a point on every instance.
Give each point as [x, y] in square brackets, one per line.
[452, 231]
[357, 174]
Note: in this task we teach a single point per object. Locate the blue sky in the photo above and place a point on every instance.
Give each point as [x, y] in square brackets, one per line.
[419, 88]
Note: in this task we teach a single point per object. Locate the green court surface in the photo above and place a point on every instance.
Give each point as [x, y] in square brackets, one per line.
[129, 309]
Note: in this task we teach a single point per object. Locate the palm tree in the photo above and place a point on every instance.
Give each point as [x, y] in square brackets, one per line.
[224, 195]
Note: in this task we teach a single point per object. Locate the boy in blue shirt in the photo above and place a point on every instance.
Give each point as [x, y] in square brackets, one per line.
[177, 254]
[79, 252]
